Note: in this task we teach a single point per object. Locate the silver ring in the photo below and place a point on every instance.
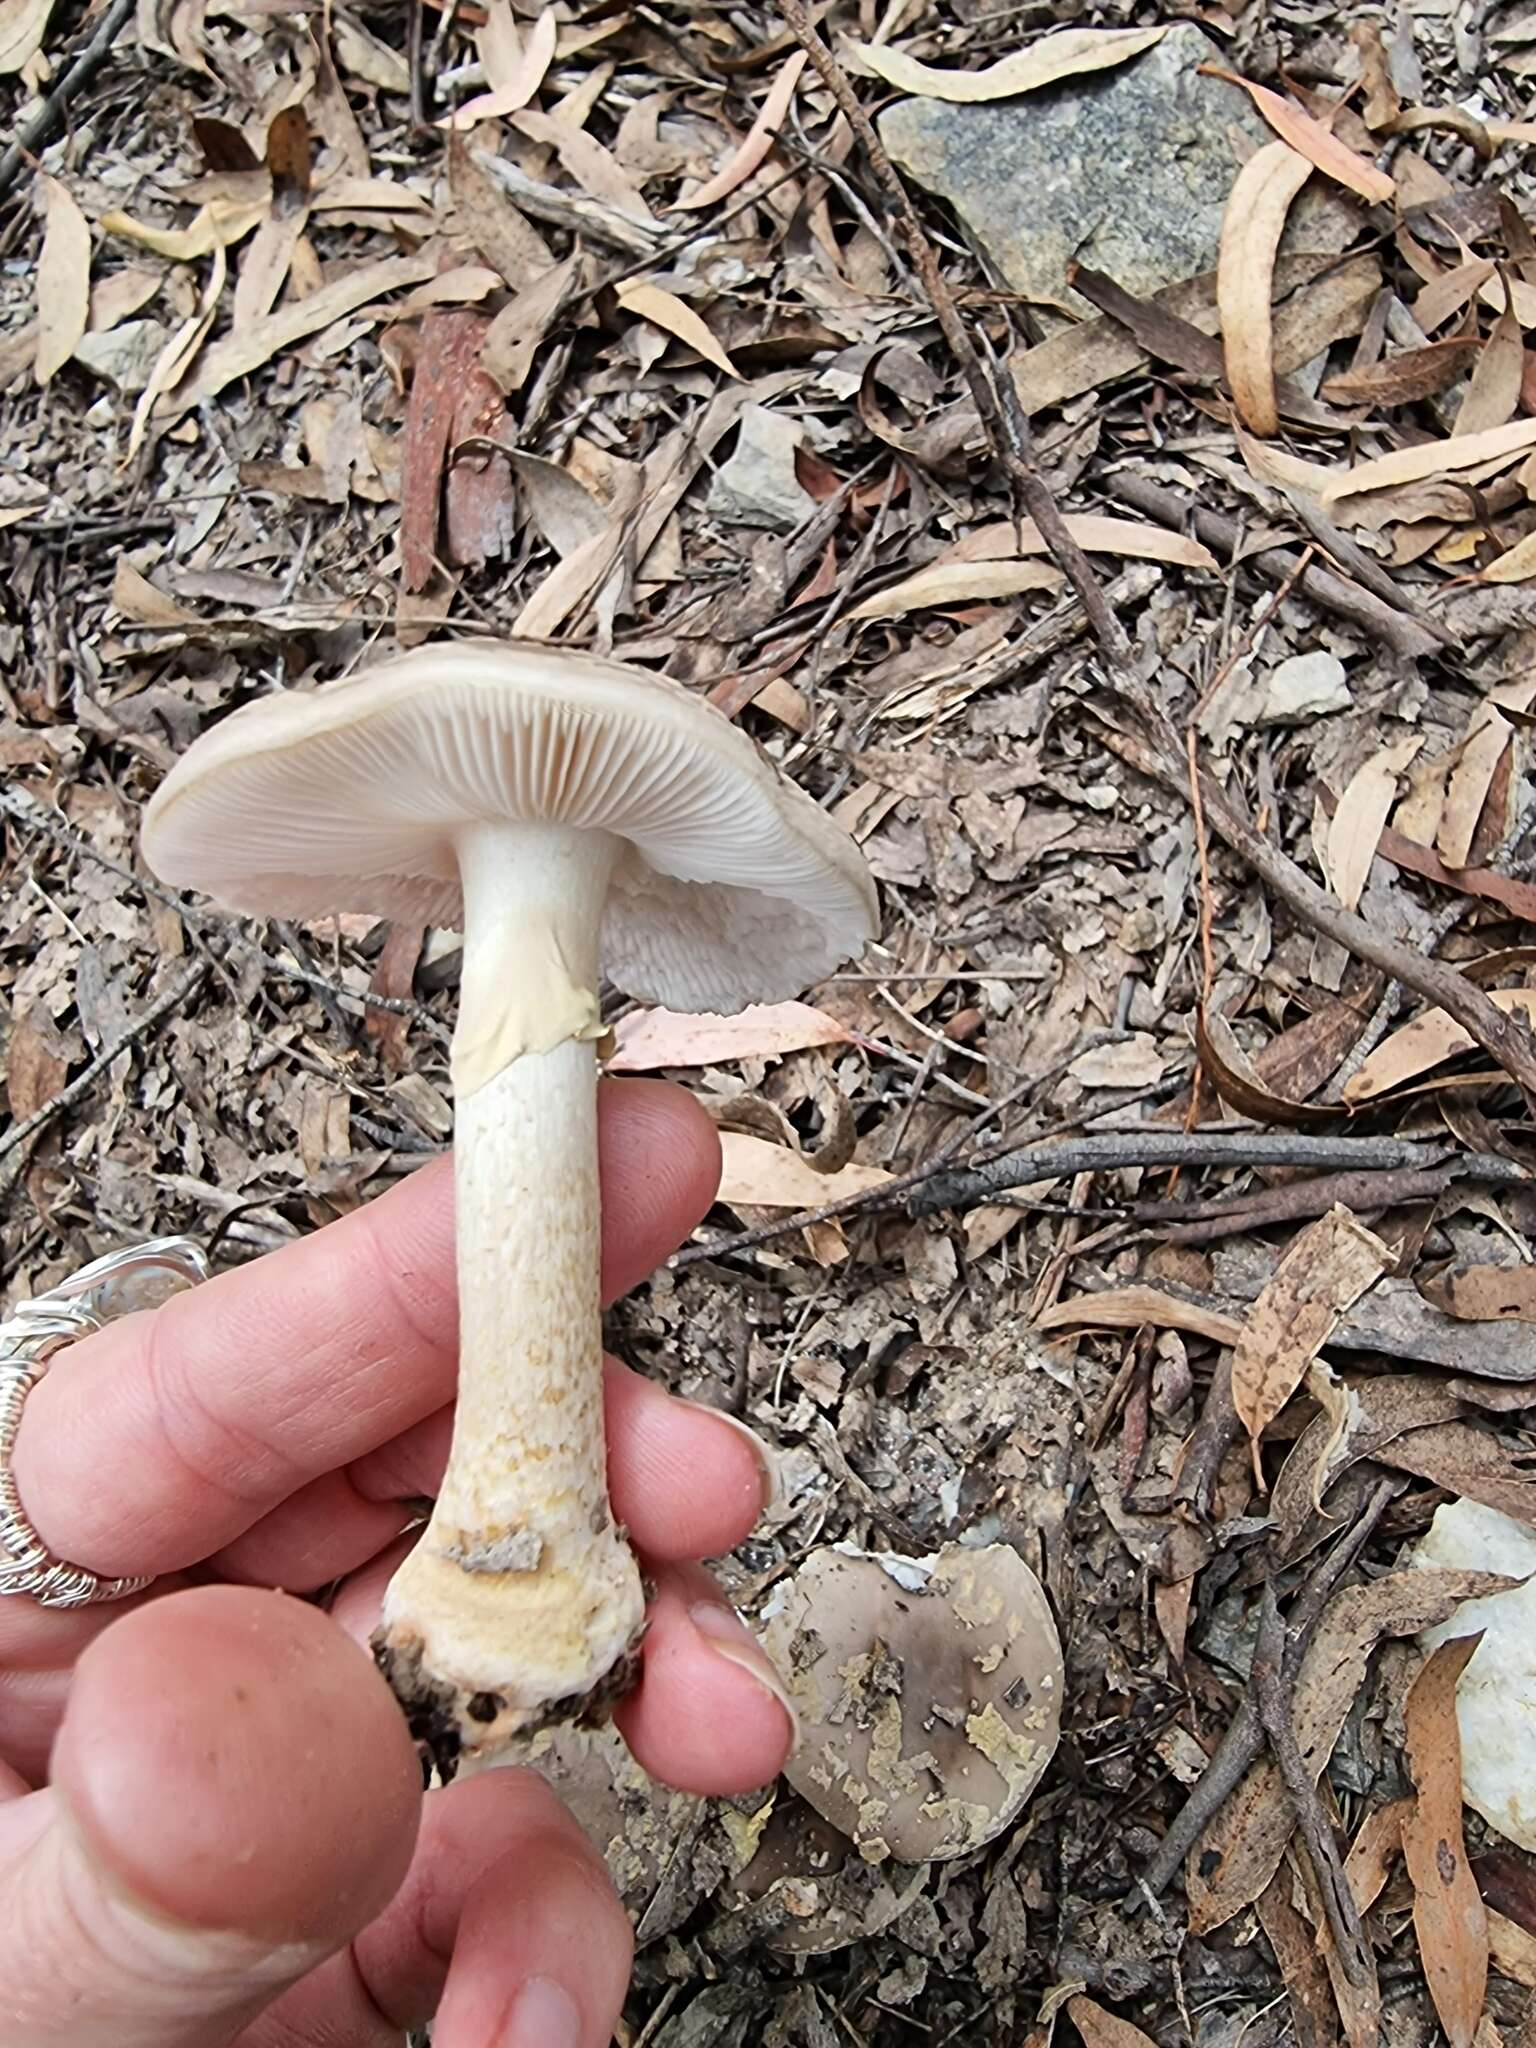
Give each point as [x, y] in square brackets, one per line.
[137, 1277]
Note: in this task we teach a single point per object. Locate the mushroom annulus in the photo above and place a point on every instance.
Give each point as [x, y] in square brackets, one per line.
[575, 817]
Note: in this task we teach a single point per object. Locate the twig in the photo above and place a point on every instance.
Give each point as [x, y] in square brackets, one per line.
[1406, 636]
[1112, 1149]
[51, 113]
[1266, 1684]
[17, 1136]
[1361, 1192]
[1001, 420]
[1244, 1738]
[1508, 1042]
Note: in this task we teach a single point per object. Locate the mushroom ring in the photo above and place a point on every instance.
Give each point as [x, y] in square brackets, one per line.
[30, 1338]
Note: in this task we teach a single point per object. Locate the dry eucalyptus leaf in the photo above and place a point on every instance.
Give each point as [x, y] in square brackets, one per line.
[23, 24]
[1488, 735]
[1427, 1042]
[763, 1176]
[1375, 1849]
[928, 1690]
[831, 1896]
[1493, 392]
[1101, 2029]
[1325, 1270]
[518, 330]
[1068, 54]
[63, 280]
[1127, 1308]
[673, 316]
[1404, 378]
[1448, 1915]
[1431, 459]
[1356, 827]
[953, 583]
[648, 1039]
[218, 225]
[1240, 1082]
[518, 81]
[1004, 539]
[1315, 142]
[1484, 1294]
[757, 142]
[1251, 228]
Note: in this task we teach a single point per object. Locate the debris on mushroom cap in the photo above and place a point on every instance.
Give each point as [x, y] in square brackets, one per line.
[928, 1690]
[1496, 1697]
[828, 1894]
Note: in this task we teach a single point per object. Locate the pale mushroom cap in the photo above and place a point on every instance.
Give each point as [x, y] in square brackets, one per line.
[733, 887]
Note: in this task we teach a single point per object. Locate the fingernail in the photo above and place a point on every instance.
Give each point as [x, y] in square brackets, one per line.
[730, 1638]
[543, 2015]
[767, 1459]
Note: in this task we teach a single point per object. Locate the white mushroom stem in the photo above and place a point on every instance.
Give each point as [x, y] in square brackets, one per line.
[522, 1595]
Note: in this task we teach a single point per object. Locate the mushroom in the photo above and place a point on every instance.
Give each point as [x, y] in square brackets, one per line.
[928, 1692]
[573, 815]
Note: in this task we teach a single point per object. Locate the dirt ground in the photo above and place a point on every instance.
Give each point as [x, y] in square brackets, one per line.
[614, 325]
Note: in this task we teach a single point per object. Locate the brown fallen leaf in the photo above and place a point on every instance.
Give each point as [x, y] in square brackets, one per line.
[172, 363]
[1448, 1914]
[63, 279]
[1241, 1849]
[1127, 1308]
[518, 330]
[648, 1039]
[1326, 1269]
[1430, 1040]
[23, 24]
[1468, 1462]
[1515, 565]
[1240, 1083]
[768, 1176]
[1373, 1852]
[1404, 378]
[1068, 54]
[1004, 539]
[516, 71]
[1493, 392]
[135, 597]
[36, 1063]
[1251, 227]
[488, 218]
[952, 583]
[1518, 897]
[1511, 1951]
[1381, 100]
[587, 568]
[756, 143]
[1357, 825]
[1298, 1956]
[596, 170]
[1483, 1294]
[1315, 142]
[1445, 295]
[1101, 2029]
[1477, 765]
[1431, 459]
[218, 225]
[673, 316]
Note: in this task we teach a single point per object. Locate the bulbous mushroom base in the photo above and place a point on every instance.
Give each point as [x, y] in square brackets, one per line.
[455, 1727]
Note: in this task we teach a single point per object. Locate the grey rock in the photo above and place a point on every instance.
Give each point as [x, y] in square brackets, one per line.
[1304, 687]
[1126, 170]
[125, 355]
[758, 486]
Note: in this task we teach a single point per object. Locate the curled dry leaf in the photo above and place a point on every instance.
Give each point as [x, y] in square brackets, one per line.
[1004, 539]
[172, 362]
[1068, 54]
[63, 279]
[1427, 1042]
[1315, 142]
[668, 312]
[758, 140]
[1327, 1268]
[1101, 2029]
[758, 1175]
[648, 1039]
[218, 225]
[1127, 1308]
[1448, 1915]
[1355, 831]
[1251, 227]
[950, 583]
[928, 1690]
[1242, 1086]
[1431, 459]
[23, 24]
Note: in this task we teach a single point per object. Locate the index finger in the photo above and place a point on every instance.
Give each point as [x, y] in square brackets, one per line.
[161, 1438]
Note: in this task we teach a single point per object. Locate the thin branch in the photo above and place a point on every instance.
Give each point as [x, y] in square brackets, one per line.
[996, 402]
[50, 114]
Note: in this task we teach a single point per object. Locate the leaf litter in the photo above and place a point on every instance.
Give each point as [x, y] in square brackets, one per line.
[313, 335]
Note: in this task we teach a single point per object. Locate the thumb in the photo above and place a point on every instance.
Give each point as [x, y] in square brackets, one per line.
[234, 1796]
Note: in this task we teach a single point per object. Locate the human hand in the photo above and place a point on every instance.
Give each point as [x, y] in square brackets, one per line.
[211, 1823]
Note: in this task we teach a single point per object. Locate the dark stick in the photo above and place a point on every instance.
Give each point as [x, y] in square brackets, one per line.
[50, 114]
[1266, 1681]
[1181, 1148]
[1244, 1738]
[1406, 636]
